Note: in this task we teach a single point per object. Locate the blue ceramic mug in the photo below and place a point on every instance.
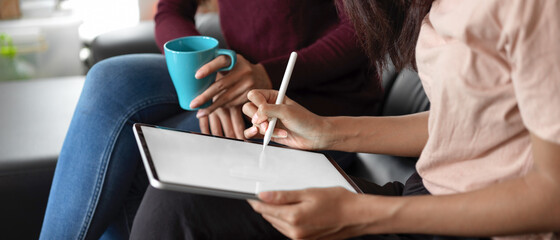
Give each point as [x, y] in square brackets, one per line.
[184, 56]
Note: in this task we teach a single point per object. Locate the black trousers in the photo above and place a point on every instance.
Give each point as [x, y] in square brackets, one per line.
[176, 215]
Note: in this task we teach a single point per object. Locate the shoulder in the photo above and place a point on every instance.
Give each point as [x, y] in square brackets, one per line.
[478, 11]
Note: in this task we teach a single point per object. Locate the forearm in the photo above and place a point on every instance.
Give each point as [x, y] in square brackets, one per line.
[527, 204]
[514, 207]
[401, 135]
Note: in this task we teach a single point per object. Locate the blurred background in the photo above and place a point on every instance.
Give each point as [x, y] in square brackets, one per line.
[45, 52]
[51, 38]
[46, 49]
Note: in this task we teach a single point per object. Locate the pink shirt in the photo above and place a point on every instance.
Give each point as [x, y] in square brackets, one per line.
[491, 69]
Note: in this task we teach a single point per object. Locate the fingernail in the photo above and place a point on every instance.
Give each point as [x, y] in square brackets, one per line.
[193, 104]
[198, 75]
[266, 196]
[282, 134]
[263, 125]
[254, 204]
[254, 119]
[200, 114]
[253, 130]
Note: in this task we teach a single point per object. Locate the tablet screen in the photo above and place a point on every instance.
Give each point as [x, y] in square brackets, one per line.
[215, 163]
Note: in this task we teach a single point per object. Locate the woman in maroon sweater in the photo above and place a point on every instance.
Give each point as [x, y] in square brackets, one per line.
[331, 77]
[99, 180]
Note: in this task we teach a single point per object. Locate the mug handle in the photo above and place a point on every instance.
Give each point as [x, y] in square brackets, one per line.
[232, 55]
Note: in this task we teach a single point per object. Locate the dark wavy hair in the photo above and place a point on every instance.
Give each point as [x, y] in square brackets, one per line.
[388, 28]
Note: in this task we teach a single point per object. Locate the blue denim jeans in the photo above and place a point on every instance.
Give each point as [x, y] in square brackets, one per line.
[99, 169]
[99, 179]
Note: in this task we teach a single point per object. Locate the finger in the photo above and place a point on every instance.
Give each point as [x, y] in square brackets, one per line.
[279, 133]
[225, 122]
[237, 122]
[265, 208]
[268, 111]
[256, 205]
[273, 111]
[217, 87]
[249, 109]
[261, 116]
[282, 197]
[203, 123]
[234, 95]
[251, 132]
[283, 216]
[262, 96]
[239, 90]
[269, 95]
[215, 126]
[279, 224]
[262, 127]
[252, 202]
[292, 231]
[212, 66]
[258, 98]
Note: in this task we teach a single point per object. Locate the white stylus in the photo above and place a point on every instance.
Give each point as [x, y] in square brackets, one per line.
[280, 98]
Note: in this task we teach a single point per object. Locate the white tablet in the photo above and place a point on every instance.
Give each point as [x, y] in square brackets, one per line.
[192, 162]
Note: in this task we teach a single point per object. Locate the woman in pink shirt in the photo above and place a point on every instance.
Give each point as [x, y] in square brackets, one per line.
[489, 147]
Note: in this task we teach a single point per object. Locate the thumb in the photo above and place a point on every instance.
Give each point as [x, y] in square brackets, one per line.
[281, 197]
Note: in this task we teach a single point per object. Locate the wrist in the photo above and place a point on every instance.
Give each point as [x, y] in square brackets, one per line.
[266, 83]
[378, 214]
[328, 133]
[337, 134]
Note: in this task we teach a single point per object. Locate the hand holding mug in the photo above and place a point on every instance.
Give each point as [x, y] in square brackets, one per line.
[231, 89]
[184, 57]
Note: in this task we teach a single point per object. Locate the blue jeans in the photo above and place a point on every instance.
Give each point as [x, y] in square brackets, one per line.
[99, 180]
[99, 169]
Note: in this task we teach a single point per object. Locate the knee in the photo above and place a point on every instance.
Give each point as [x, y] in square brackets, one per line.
[126, 70]
[127, 77]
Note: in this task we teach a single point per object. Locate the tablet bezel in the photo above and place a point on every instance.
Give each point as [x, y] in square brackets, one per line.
[157, 183]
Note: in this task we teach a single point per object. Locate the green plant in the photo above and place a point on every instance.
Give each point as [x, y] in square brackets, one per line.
[7, 48]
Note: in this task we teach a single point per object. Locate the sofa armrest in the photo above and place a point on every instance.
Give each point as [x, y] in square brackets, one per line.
[141, 38]
[137, 39]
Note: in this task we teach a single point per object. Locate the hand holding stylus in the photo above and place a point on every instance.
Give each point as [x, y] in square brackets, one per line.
[280, 98]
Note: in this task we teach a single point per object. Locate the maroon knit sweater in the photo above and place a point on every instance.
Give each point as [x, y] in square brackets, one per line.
[331, 75]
